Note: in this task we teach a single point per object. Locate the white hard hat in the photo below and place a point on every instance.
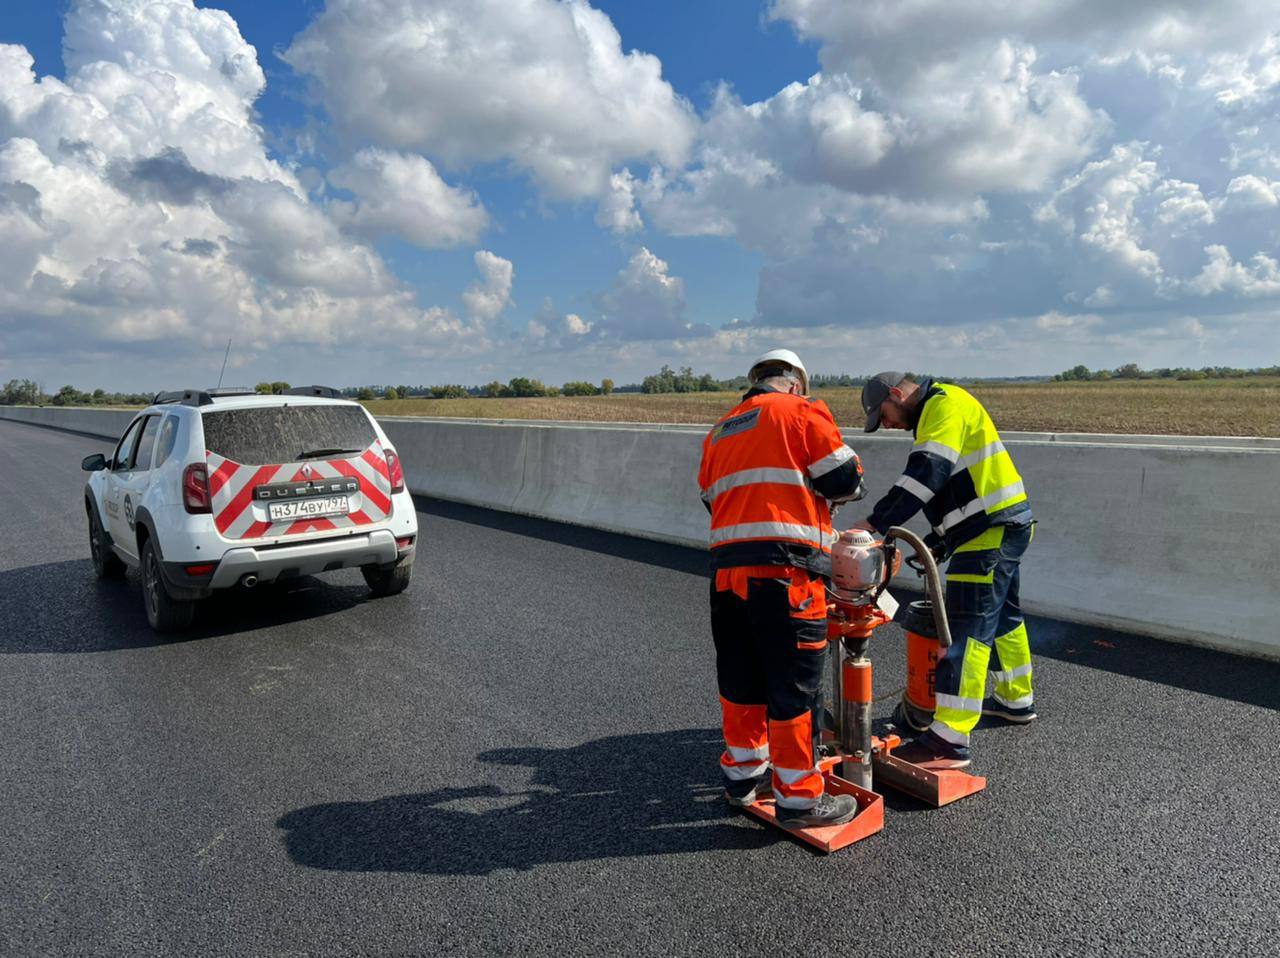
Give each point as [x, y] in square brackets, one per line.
[780, 357]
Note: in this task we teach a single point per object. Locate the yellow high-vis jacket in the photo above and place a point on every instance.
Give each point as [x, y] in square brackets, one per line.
[959, 472]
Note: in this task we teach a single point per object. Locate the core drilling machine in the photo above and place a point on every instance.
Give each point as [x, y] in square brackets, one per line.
[851, 757]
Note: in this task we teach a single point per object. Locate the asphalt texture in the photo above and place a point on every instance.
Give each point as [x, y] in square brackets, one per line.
[518, 756]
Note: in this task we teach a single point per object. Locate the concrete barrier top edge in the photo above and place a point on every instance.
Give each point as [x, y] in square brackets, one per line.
[1232, 443]
[1077, 439]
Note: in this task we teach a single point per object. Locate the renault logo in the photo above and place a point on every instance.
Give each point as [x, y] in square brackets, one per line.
[306, 472]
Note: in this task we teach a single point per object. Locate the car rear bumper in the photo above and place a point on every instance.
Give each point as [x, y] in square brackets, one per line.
[305, 558]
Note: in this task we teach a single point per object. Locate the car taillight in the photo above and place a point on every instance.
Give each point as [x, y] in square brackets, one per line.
[195, 488]
[396, 473]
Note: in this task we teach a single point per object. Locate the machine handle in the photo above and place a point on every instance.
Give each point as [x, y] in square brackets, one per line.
[932, 581]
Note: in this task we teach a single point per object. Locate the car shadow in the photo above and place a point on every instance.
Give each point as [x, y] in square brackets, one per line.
[621, 796]
[61, 607]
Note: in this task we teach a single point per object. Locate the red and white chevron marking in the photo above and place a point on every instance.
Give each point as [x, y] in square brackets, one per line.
[238, 515]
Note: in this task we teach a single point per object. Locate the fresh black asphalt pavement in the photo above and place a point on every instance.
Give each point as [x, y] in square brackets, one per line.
[518, 756]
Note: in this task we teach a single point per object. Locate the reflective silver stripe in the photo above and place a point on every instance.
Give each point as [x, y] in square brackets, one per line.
[829, 538]
[740, 773]
[1011, 674]
[986, 452]
[789, 776]
[938, 449]
[768, 530]
[958, 703]
[1021, 702]
[915, 487]
[747, 754]
[833, 461]
[751, 477]
[948, 734]
[957, 516]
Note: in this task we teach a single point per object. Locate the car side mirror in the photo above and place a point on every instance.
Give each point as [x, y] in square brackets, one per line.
[94, 463]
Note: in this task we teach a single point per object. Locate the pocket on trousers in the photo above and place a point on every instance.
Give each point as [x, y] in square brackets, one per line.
[970, 583]
[807, 597]
[810, 655]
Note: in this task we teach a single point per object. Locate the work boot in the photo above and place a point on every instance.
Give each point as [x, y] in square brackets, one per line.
[829, 810]
[908, 716]
[749, 790]
[994, 707]
[934, 752]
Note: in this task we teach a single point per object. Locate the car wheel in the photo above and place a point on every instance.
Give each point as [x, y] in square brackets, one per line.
[163, 613]
[106, 564]
[383, 582]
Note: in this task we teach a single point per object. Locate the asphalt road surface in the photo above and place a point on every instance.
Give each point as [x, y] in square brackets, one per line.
[518, 756]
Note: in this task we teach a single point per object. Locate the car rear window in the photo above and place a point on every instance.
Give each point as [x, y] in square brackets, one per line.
[265, 435]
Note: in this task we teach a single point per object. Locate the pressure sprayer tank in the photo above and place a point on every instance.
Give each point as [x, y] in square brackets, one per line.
[923, 651]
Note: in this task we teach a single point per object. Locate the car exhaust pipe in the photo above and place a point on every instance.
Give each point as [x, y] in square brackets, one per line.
[249, 580]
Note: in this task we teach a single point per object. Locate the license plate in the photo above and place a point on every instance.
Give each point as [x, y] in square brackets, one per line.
[308, 508]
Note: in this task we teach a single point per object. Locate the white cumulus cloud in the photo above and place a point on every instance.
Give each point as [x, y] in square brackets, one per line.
[143, 217]
[402, 194]
[540, 84]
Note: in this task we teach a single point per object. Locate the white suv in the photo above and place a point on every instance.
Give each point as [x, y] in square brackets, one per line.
[215, 489]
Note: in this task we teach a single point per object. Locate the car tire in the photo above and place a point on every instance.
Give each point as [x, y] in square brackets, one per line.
[384, 582]
[164, 614]
[106, 564]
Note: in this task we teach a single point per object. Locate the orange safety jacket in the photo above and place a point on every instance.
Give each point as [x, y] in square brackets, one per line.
[770, 470]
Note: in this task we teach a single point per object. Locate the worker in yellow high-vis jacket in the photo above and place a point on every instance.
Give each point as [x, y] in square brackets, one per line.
[961, 475]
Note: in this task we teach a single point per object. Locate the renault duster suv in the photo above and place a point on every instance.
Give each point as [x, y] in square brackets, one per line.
[210, 490]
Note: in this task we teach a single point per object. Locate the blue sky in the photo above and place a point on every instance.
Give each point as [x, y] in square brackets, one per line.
[437, 190]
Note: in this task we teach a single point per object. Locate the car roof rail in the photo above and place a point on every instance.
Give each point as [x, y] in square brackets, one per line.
[327, 392]
[199, 397]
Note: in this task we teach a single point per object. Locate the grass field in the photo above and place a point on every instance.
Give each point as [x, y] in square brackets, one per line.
[1224, 407]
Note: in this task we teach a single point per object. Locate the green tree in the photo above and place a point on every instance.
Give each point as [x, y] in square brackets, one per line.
[20, 392]
[520, 386]
[449, 391]
[580, 389]
[365, 394]
[69, 396]
[391, 393]
[263, 389]
[494, 390]
[279, 388]
[606, 386]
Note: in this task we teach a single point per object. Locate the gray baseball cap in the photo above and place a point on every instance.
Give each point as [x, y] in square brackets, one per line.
[875, 392]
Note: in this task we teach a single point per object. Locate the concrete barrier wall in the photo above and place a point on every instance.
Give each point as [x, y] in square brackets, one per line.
[1166, 536]
[102, 423]
[1171, 537]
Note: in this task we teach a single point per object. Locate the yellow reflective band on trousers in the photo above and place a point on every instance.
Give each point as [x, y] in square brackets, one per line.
[960, 713]
[1013, 680]
[993, 538]
[973, 577]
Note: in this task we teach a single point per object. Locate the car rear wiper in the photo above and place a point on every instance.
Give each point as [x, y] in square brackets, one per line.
[325, 451]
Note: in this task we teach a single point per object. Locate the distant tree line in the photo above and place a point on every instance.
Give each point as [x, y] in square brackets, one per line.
[27, 392]
[1131, 371]
[520, 386]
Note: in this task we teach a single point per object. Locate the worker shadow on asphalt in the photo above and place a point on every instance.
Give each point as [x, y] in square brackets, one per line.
[617, 797]
[665, 555]
[60, 607]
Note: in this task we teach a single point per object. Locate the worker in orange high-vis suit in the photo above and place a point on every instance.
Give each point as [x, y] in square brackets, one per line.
[770, 471]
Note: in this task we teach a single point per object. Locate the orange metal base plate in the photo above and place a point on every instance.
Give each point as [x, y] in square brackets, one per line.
[830, 838]
[937, 787]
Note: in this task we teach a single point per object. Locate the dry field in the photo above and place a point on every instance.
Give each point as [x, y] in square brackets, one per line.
[1227, 407]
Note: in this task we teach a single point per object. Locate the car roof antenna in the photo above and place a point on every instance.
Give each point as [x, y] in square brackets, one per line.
[224, 364]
